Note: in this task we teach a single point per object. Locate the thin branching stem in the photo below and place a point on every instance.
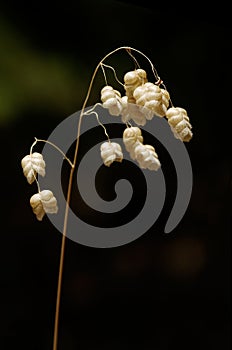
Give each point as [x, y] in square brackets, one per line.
[53, 145]
[115, 75]
[65, 224]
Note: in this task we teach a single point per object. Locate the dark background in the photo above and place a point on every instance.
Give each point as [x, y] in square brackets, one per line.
[160, 291]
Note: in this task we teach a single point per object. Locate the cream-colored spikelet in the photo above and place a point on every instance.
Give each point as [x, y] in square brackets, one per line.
[111, 99]
[146, 157]
[111, 152]
[43, 202]
[131, 136]
[138, 114]
[132, 80]
[33, 164]
[179, 122]
[152, 97]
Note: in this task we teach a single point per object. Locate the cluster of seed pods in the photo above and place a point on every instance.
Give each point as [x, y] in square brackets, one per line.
[142, 101]
[43, 201]
[145, 155]
[111, 152]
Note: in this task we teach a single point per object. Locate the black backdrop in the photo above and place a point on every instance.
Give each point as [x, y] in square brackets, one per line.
[160, 291]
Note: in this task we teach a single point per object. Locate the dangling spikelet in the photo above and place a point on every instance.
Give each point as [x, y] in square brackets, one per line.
[132, 80]
[153, 98]
[146, 157]
[43, 202]
[131, 136]
[111, 100]
[33, 164]
[111, 152]
[179, 122]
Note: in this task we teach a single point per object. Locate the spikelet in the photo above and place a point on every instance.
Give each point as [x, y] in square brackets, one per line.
[153, 98]
[131, 136]
[111, 152]
[146, 157]
[132, 80]
[179, 122]
[111, 100]
[138, 114]
[43, 202]
[33, 164]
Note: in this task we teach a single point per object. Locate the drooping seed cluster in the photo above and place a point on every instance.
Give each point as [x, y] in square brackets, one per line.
[145, 155]
[152, 97]
[179, 122]
[132, 80]
[111, 100]
[43, 201]
[33, 164]
[111, 152]
[142, 101]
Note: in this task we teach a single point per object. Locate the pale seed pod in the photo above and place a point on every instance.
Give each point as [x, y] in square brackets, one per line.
[111, 152]
[132, 80]
[43, 202]
[111, 100]
[131, 136]
[33, 164]
[153, 98]
[179, 122]
[138, 114]
[146, 157]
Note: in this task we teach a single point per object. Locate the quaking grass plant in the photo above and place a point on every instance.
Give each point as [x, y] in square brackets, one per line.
[142, 101]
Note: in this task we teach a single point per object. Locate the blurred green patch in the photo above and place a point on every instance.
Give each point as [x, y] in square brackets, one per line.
[33, 79]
